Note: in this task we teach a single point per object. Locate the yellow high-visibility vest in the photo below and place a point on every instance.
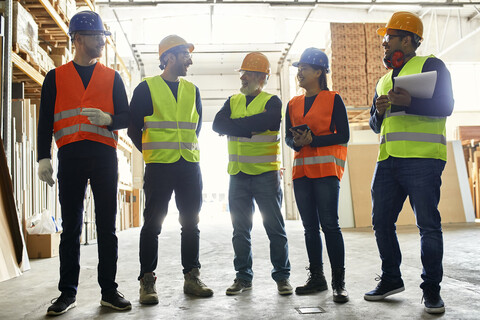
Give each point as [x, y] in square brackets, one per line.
[405, 135]
[261, 152]
[169, 133]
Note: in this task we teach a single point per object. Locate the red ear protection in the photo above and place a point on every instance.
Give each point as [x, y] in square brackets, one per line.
[397, 60]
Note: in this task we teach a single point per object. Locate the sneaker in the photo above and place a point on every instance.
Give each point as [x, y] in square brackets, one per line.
[115, 300]
[433, 302]
[61, 305]
[238, 287]
[284, 287]
[148, 292]
[316, 281]
[384, 289]
[193, 284]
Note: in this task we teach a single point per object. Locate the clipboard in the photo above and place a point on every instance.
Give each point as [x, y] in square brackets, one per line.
[419, 85]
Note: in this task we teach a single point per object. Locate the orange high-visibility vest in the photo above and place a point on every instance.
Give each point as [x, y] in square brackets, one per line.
[317, 162]
[69, 126]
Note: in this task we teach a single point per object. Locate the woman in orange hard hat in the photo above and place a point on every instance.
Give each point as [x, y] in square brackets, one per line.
[317, 129]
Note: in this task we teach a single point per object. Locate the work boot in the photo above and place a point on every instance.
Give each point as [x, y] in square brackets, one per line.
[193, 284]
[148, 292]
[315, 282]
[238, 287]
[340, 294]
[61, 305]
[284, 288]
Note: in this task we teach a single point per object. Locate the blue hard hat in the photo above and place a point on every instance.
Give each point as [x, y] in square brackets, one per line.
[87, 21]
[314, 56]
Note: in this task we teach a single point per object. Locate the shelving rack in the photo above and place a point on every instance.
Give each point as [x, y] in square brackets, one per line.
[19, 66]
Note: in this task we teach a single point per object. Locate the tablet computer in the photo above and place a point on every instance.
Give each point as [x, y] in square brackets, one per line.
[302, 127]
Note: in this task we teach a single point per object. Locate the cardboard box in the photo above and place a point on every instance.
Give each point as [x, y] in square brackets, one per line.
[43, 245]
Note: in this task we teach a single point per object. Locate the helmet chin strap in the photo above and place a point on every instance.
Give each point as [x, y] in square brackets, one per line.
[397, 59]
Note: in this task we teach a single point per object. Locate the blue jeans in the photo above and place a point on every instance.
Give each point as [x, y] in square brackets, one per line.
[73, 176]
[420, 179]
[265, 189]
[317, 202]
[160, 180]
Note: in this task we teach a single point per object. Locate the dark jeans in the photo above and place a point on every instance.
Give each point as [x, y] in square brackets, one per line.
[160, 181]
[265, 189]
[317, 202]
[420, 179]
[73, 175]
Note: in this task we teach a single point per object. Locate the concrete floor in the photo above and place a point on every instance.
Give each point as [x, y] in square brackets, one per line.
[28, 296]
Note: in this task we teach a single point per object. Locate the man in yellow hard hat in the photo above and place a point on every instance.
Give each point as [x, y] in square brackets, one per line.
[251, 120]
[413, 153]
[166, 113]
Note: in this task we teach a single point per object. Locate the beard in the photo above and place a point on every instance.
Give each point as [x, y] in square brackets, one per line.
[250, 88]
[181, 70]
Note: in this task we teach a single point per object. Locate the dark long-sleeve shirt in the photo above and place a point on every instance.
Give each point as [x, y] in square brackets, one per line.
[141, 106]
[440, 105]
[243, 127]
[84, 148]
[339, 124]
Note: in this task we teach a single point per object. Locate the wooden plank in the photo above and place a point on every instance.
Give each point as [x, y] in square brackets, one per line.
[27, 69]
[55, 16]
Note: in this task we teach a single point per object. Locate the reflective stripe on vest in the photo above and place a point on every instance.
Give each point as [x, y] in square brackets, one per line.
[69, 126]
[170, 125]
[254, 159]
[87, 128]
[261, 152]
[406, 135]
[169, 133]
[414, 136]
[317, 162]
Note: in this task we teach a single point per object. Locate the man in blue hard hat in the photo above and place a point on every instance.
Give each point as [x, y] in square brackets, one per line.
[84, 103]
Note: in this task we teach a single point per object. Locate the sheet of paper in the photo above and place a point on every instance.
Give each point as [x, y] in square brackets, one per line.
[419, 85]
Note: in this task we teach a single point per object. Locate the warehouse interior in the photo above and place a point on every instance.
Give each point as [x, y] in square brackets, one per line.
[35, 40]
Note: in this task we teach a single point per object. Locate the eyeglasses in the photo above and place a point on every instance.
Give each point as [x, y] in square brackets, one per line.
[187, 55]
[97, 36]
[389, 37]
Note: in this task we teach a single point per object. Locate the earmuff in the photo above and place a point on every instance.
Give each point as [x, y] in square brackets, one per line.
[397, 60]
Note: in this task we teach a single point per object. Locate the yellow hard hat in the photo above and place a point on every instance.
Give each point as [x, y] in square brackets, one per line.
[172, 41]
[403, 20]
[255, 61]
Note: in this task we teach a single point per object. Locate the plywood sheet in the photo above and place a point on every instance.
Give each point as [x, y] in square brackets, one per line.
[361, 162]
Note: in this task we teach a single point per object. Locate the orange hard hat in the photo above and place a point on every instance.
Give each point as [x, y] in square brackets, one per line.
[256, 61]
[172, 41]
[403, 20]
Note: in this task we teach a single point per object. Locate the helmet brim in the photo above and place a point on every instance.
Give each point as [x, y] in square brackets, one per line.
[295, 64]
[381, 31]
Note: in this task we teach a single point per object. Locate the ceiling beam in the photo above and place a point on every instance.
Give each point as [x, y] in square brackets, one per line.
[444, 4]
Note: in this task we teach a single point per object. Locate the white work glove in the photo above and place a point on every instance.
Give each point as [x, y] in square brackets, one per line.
[45, 171]
[97, 116]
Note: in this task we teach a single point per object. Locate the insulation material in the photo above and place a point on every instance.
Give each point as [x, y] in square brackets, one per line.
[361, 163]
[25, 30]
[11, 240]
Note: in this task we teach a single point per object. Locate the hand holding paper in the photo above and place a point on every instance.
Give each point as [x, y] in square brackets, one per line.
[419, 85]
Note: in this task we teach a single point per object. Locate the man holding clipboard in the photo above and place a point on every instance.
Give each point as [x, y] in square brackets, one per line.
[413, 153]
